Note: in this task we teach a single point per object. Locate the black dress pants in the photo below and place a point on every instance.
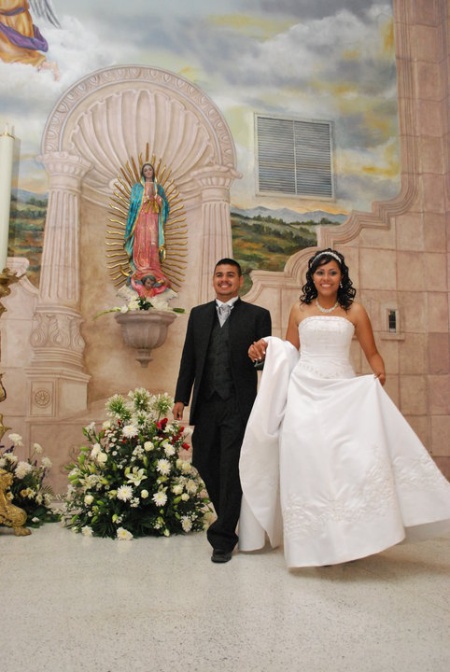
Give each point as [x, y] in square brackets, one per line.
[216, 443]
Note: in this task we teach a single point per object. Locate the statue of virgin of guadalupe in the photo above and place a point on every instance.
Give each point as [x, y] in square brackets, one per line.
[144, 234]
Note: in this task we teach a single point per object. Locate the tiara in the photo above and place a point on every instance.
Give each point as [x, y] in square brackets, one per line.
[327, 254]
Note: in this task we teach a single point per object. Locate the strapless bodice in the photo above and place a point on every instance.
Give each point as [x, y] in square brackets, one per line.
[325, 346]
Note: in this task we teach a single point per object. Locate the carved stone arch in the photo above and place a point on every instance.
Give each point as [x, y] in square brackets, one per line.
[113, 113]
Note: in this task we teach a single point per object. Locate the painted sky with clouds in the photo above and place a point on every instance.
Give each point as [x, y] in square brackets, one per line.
[311, 59]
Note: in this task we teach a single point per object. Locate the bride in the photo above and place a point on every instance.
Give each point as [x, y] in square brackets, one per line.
[329, 467]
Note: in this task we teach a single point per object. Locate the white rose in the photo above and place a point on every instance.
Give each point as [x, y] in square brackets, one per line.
[88, 500]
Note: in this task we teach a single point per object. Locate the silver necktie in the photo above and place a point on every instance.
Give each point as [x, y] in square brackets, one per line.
[224, 312]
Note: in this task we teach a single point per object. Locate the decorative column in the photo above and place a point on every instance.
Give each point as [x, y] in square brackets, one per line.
[217, 243]
[57, 382]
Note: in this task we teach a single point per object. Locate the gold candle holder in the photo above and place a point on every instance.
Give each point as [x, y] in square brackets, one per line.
[7, 278]
[10, 515]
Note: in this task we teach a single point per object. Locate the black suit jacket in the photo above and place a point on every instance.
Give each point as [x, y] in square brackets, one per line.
[247, 323]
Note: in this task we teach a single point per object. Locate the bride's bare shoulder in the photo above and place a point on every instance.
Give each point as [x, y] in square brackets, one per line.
[300, 310]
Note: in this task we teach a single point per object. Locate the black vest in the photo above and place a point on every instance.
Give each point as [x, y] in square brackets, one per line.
[217, 376]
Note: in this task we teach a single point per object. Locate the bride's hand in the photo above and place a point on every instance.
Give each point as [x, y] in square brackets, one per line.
[257, 351]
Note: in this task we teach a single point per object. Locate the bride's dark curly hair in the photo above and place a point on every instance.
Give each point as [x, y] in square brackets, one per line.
[346, 291]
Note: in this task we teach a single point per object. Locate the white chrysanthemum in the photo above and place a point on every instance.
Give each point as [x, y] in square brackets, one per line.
[125, 493]
[16, 439]
[130, 430]
[88, 500]
[186, 524]
[123, 534]
[163, 467]
[144, 494]
[177, 489]
[169, 450]
[160, 498]
[186, 467]
[87, 531]
[46, 462]
[148, 446]
[22, 469]
[11, 458]
[38, 448]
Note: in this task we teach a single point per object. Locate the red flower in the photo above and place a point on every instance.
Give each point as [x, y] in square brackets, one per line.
[186, 446]
[161, 424]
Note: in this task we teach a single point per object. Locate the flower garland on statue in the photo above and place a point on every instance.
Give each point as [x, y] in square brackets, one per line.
[28, 491]
[131, 481]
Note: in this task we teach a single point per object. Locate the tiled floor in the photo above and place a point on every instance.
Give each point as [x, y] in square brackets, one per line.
[75, 604]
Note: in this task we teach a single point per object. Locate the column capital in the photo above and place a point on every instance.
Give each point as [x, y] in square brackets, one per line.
[64, 169]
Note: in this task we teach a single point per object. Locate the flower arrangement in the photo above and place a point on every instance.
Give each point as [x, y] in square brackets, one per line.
[28, 491]
[136, 302]
[130, 481]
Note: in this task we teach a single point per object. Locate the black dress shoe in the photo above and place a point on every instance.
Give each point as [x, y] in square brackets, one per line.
[221, 556]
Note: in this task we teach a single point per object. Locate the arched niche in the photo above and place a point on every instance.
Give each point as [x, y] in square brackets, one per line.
[98, 125]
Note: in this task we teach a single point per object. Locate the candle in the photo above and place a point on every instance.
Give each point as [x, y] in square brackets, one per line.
[6, 164]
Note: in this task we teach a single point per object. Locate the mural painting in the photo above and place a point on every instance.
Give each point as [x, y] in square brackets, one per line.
[295, 60]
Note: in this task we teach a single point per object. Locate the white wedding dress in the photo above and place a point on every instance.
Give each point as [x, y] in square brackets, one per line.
[332, 469]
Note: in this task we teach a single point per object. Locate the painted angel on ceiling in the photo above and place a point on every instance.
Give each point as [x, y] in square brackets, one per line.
[21, 41]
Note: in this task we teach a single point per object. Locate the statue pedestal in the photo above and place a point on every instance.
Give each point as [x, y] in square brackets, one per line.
[145, 330]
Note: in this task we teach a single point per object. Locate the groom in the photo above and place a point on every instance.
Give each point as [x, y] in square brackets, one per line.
[215, 363]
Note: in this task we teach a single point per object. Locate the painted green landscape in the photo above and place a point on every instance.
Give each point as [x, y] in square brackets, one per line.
[26, 231]
[261, 240]
[266, 243]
